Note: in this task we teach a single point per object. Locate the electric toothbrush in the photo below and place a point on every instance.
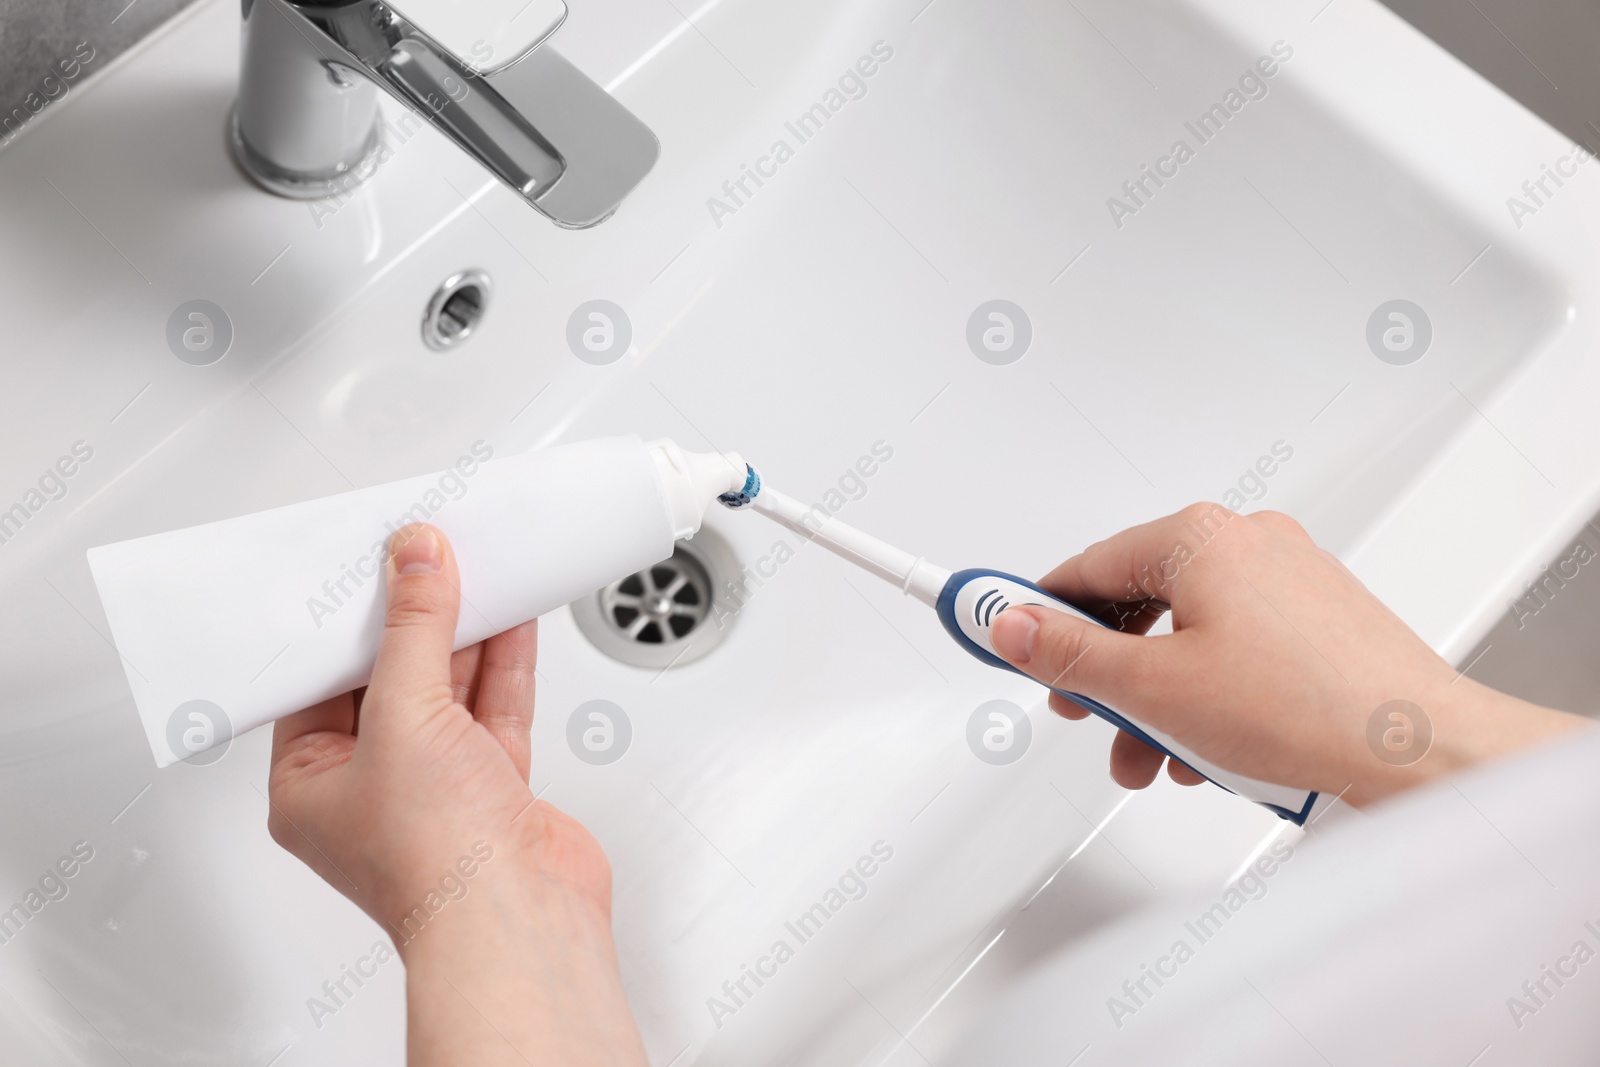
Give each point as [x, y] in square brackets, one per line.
[967, 602]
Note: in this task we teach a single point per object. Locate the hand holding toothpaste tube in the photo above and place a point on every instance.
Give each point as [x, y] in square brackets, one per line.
[410, 796]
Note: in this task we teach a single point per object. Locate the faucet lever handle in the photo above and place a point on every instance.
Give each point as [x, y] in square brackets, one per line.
[484, 36]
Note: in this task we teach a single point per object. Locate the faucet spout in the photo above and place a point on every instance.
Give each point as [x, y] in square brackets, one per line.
[306, 123]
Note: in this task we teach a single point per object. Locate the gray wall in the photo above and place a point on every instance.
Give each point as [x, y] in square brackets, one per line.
[36, 34]
[1544, 53]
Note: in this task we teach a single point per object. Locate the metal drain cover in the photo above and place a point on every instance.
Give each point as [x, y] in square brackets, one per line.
[662, 604]
[662, 616]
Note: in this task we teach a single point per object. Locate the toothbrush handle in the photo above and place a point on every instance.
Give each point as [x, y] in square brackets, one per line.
[973, 599]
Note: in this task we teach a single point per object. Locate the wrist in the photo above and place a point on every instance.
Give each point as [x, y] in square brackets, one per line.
[544, 863]
[1457, 723]
[522, 970]
[515, 907]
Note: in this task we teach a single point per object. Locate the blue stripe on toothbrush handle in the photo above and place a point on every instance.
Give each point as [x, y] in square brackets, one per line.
[990, 605]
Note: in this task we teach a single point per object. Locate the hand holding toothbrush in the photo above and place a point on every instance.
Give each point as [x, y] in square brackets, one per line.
[1278, 659]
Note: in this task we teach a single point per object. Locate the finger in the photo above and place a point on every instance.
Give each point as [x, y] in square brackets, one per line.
[313, 734]
[1068, 709]
[1141, 562]
[1130, 617]
[411, 680]
[1182, 773]
[505, 692]
[1066, 652]
[1134, 764]
[466, 671]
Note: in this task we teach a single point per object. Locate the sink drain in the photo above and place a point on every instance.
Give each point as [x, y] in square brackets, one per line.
[455, 309]
[665, 615]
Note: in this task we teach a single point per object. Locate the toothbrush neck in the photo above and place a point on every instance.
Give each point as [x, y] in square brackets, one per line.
[926, 582]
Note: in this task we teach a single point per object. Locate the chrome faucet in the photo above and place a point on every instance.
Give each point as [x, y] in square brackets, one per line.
[306, 123]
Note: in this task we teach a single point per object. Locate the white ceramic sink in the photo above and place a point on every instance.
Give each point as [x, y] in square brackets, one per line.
[824, 315]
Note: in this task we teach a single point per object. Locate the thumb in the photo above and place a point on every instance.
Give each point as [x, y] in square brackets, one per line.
[1071, 654]
[411, 679]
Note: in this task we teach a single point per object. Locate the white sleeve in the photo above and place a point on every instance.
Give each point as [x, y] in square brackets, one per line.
[1458, 924]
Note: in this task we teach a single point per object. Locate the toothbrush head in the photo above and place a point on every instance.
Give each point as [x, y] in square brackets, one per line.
[742, 497]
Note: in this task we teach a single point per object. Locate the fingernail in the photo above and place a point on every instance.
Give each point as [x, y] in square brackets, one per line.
[417, 551]
[1012, 634]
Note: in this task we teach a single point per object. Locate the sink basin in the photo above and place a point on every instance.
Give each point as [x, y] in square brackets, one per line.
[1209, 336]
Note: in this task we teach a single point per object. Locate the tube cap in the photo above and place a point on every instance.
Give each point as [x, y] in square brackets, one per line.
[691, 481]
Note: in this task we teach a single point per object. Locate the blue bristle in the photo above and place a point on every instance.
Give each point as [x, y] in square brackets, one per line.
[743, 496]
